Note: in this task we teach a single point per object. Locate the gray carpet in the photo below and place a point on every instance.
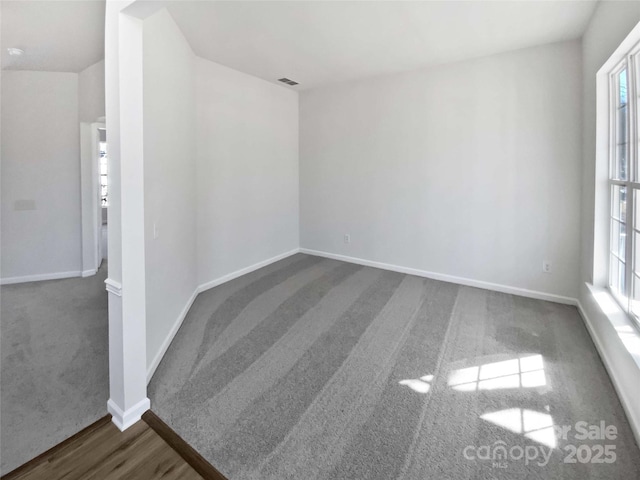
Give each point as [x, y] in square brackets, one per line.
[318, 369]
[54, 378]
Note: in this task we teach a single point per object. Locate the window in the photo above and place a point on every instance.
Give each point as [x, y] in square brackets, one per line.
[104, 189]
[624, 184]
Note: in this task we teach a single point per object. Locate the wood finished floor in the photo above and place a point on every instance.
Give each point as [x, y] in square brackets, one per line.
[148, 450]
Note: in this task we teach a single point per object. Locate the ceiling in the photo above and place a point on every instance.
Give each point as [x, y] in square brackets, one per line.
[311, 42]
[57, 36]
[321, 42]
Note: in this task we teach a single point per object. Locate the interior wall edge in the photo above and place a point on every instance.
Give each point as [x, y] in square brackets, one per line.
[151, 369]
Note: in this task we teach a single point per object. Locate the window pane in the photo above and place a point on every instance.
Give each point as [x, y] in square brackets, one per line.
[635, 278]
[636, 124]
[635, 298]
[620, 170]
[636, 250]
[613, 273]
[616, 276]
[618, 239]
[636, 212]
[622, 131]
[621, 162]
[619, 203]
[622, 87]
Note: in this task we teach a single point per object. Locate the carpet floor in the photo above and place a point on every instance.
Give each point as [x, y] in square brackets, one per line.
[54, 372]
[317, 369]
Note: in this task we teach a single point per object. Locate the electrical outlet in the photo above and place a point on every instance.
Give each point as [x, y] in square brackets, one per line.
[546, 266]
[347, 238]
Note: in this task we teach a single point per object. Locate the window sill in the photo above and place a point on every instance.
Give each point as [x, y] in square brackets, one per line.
[624, 326]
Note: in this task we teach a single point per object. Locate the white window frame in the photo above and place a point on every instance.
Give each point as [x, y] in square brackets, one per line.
[630, 62]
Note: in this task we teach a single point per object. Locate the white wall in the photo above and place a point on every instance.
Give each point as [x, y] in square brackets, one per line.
[247, 137]
[610, 24]
[40, 172]
[91, 92]
[470, 169]
[169, 176]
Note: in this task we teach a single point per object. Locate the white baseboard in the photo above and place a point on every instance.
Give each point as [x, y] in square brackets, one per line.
[201, 288]
[244, 271]
[523, 292]
[172, 333]
[124, 419]
[39, 277]
[89, 273]
[626, 399]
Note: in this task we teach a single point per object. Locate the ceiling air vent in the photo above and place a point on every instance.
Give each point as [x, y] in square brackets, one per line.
[287, 81]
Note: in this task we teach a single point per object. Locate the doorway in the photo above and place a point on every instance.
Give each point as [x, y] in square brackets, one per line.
[95, 196]
[103, 182]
